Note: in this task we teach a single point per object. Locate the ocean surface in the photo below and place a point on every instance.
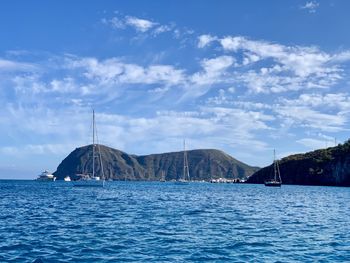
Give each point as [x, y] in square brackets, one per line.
[168, 222]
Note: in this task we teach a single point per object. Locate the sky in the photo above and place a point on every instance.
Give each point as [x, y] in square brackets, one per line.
[245, 77]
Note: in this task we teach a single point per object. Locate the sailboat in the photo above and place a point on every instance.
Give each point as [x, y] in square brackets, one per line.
[93, 180]
[162, 179]
[186, 173]
[277, 181]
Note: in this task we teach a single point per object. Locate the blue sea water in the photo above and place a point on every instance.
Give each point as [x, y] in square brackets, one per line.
[167, 222]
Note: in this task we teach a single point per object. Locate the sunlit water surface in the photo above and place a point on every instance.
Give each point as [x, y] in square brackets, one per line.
[168, 222]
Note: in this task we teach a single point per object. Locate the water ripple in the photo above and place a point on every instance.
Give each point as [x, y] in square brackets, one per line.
[165, 222]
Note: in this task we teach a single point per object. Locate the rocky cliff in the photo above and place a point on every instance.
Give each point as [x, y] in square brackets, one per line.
[118, 165]
[329, 166]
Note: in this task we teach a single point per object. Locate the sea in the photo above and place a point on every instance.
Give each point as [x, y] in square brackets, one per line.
[169, 222]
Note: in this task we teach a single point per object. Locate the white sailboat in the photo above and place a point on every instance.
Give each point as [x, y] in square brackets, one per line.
[162, 178]
[92, 180]
[186, 173]
[276, 181]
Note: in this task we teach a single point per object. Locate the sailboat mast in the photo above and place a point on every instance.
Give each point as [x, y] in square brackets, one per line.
[279, 174]
[184, 172]
[98, 150]
[93, 143]
[275, 164]
[188, 170]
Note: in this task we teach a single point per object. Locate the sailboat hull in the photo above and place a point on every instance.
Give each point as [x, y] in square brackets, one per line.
[273, 184]
[88, 183]
[181, 182]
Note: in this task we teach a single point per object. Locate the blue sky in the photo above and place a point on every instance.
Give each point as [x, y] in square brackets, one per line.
[241, 76]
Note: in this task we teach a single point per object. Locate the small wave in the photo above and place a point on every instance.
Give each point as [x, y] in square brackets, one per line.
[194, 212]
[149, 222]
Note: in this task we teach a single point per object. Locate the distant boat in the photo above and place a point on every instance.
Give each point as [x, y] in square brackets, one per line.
[186, 173]
[46, 176]
[67, 179]
[92, 180]
[277, 181]
[162, 179]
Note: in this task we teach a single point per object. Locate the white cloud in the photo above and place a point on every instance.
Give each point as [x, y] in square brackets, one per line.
[232, 43]
[87, 76]
[329, 112]
[217, 64]
[44, 120]
[213, 70]
[305, 117]
[338, 101]
[311, 6]
[341, 57]
[311, 143]
[205, 40]
[231, 90]
[66, 85]
[113, 71]
[162, 29]
[209, 123]
[139, 24]
[282, 68]
[271, 81]
[309, 113]
[30, 86]
[115, 22]
[67, 129]
[260, 66]
[250, 105]
[149, 28]
[37, 149]
[250, 58]
[9, 65]
[302, 61]
[220, 99]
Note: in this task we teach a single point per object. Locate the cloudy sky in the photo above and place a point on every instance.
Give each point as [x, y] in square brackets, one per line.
[241, 76]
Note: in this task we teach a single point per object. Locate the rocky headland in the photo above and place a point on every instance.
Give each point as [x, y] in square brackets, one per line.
[203, 165]
[330, 167]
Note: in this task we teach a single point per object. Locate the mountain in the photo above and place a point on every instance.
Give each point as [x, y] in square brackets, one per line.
[118, 165]
[330, 166]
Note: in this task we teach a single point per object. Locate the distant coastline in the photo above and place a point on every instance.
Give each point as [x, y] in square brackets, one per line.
[204, 165]
[324, 167]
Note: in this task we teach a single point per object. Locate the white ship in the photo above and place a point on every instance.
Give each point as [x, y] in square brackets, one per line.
[46, 176]
[67, 179]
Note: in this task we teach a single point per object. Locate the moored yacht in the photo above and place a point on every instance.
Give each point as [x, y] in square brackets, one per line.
[91, 179]
[67, 179]
[46, 176]
[186, 173]
[276, 181]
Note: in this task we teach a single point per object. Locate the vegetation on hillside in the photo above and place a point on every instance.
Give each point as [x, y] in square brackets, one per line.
[329, 166]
